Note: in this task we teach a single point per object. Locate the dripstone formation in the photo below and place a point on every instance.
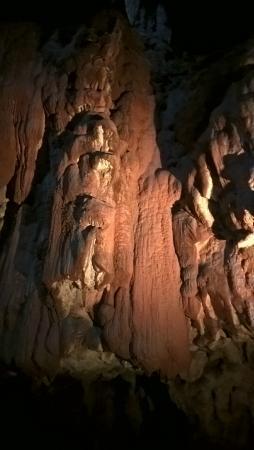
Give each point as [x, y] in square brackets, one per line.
[111, 260]
[88, 261]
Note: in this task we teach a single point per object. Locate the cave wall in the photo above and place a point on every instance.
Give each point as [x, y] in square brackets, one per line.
[126, 203]
[88, 260]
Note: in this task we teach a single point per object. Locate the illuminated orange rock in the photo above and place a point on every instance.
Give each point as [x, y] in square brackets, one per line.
[89, 262]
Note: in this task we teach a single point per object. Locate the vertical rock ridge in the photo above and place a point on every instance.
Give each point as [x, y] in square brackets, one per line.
[92, 251]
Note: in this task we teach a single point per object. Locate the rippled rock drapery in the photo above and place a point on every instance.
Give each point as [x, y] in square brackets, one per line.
[88, 262]
[205, 135]
[106, 259]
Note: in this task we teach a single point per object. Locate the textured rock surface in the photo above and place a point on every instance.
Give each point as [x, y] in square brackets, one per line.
[110, 259]
[88, 261]
[211, 138]
[205, 134]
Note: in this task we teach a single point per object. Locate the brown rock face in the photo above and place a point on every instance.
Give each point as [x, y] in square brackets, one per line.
[88, 260]
[213, 237]
[213, 222]
[107, 258]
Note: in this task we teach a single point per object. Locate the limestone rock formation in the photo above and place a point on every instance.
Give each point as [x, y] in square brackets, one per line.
[205, 134]
[127, 232]
[88, 264]
[213, 237]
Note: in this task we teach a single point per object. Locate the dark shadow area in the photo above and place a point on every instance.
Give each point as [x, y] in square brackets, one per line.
[234, 199]
[197, 27]
[57, 13]
[105, 415]
[202, 27]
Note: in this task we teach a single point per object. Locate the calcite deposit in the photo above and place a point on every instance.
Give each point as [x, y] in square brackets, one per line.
[126, 212]
[213, 238]
[88, 261]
